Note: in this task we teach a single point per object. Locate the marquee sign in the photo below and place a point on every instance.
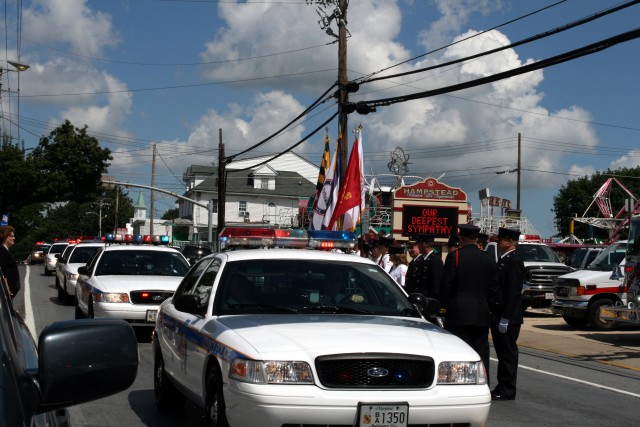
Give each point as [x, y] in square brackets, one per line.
[437, 220]
[431, 189]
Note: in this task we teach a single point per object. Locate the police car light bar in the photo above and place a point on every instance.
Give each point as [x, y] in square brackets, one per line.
[254, 237]
[251, 237]
[329, 239]
[136, 239]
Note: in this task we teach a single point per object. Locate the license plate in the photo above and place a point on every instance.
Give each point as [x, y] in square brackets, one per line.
[548, 295]
[152, 315]
[383, 414]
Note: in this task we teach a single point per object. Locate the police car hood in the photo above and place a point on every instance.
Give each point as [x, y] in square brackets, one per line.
[304, 337]
[136, 283]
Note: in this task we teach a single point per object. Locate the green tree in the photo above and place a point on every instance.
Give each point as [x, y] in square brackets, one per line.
[171, 214]
[65, 167]
[70, 165]
[576, 196]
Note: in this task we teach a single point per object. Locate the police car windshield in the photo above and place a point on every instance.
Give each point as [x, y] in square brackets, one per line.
[141, 263]
[308, 286]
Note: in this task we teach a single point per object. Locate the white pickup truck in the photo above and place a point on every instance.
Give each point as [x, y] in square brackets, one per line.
[542, 266]
[579, 295]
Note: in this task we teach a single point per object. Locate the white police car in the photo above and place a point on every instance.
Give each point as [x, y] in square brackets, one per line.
[80, 254]
[50, 259]
[254, 338]
[129, 281]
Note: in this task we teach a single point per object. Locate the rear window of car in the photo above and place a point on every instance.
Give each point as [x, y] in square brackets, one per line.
[57, 249]
[141, 263]
[83, 254]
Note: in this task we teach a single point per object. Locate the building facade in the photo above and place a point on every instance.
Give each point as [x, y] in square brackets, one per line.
[257, 193]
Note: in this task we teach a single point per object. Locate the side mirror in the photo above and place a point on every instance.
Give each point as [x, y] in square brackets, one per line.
[189, 303]
[427, 306]
[616, 274]
[84, 271]
[84, 360]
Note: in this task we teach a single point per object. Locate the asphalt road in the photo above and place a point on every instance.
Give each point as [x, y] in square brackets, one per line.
[566, 377]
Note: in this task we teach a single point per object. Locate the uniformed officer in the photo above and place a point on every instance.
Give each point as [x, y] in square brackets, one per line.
[507, 316]
[428, 268]
[469, 289]
[383, 248]
[483, 239]
[453, 243]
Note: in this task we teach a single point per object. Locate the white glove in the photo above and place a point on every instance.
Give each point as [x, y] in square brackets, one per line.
[502, 326]
[440, 321]
[357, 298]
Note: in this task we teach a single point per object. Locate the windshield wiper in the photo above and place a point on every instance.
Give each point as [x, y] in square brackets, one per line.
[333, 309]
[264, 307]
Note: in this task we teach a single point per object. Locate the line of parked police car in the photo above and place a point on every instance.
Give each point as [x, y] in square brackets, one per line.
[251, 335]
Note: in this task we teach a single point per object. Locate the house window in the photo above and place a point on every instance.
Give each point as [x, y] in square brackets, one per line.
[264, 184]
[242, 208]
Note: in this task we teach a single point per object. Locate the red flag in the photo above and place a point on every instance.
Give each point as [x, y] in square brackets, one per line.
[350, 194]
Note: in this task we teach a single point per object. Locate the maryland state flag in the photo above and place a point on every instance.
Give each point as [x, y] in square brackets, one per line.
[351, 197]
[324, 187]
[324, 166]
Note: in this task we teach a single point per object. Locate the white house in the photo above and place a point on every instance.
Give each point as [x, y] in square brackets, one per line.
[275, 193]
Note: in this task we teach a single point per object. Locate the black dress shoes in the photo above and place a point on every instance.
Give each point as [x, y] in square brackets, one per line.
[499, 396]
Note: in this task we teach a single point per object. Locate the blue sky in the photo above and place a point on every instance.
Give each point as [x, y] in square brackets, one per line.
[172, 73]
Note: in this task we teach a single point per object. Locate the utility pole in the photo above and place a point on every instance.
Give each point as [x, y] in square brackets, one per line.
[222, 185]
[342, 82]
[519, 173]
[153, 181]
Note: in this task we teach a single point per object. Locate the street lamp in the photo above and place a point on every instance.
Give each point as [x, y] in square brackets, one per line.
[18, 66]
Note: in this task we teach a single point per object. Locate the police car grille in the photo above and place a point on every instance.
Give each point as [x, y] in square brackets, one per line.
[150, 297]
[375, 371]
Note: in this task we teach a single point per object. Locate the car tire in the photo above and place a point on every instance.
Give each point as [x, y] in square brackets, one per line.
[593, 314]
[68, 298]
[214, 407]
[62, 295]
[79, 313]
[90, 313]
[575, 322]
[165, 393]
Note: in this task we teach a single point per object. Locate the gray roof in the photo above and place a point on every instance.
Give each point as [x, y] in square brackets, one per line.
[288, 184]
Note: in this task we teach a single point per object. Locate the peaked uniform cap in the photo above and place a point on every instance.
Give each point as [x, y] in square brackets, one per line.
[396, 249]
[469, 230]
[506, 233]
[385, 241]
[425, 238]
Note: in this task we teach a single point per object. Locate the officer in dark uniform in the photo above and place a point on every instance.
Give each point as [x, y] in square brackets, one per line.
[411, 278]
[507, 316]
[428, 268]
[483, 239]
[469, 289]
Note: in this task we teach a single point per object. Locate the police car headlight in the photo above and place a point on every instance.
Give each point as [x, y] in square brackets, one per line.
[271, 372]
[71, 277]
[462, 373]
[111, 297]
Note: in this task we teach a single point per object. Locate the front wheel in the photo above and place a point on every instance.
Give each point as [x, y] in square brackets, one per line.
[593, 313]
[215, 408]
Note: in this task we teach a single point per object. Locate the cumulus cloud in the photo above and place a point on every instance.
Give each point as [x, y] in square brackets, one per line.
[630, 160]
[69, 22]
